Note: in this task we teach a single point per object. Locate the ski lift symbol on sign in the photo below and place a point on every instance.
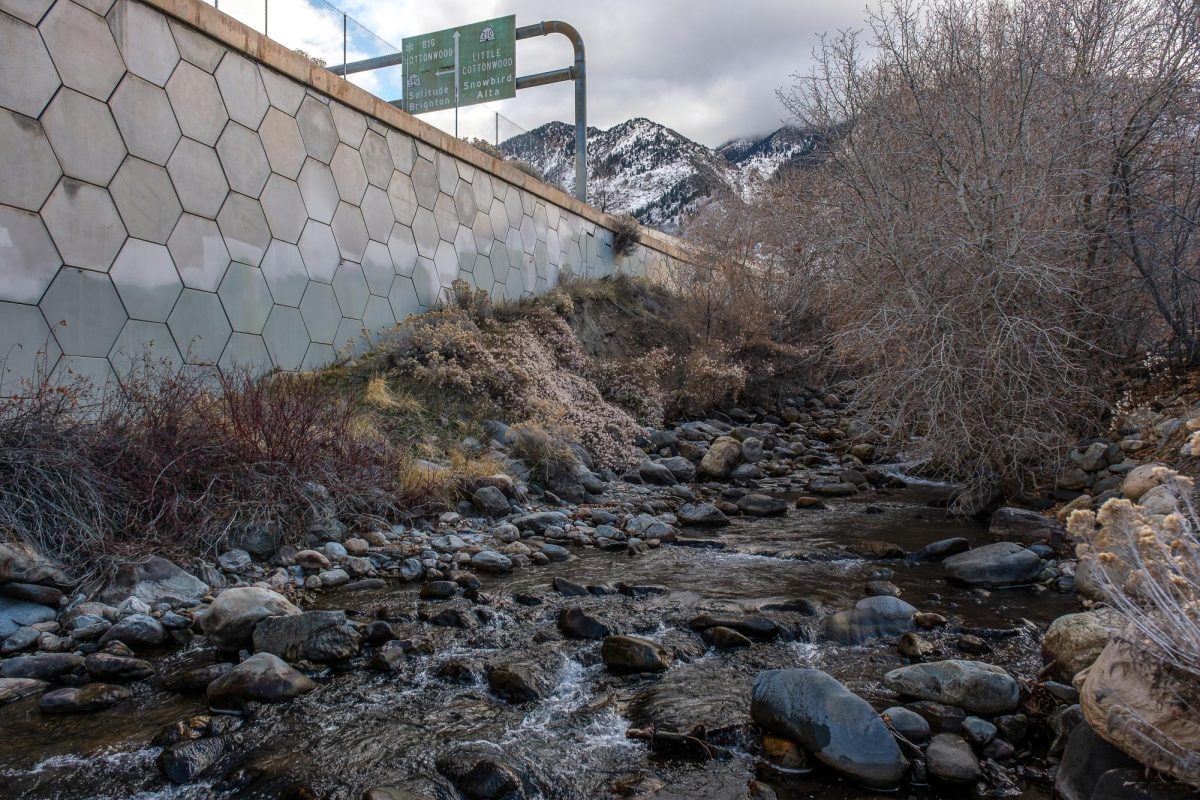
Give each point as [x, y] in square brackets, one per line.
[487, 34]
[414, 81]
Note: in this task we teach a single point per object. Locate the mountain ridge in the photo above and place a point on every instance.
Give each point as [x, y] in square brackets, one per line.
[655, 173]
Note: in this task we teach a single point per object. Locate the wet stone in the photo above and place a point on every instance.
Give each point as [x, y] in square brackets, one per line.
[574, 623]
[82, 699]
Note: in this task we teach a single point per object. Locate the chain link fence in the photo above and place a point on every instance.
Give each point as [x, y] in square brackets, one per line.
[332, 37]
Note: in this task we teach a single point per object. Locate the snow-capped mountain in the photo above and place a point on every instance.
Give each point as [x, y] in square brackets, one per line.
[653, 172]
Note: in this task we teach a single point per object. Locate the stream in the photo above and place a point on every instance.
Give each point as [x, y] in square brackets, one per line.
[362, 729]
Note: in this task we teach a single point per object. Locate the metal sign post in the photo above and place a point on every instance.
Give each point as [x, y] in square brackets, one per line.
[475, 64]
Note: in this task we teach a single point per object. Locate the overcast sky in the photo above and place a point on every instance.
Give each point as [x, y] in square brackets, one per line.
[708, 70]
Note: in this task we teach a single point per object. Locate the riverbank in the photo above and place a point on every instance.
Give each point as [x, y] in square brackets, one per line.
[585, 602]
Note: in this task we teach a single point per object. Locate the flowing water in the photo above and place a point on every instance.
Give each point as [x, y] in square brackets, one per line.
[362, 729]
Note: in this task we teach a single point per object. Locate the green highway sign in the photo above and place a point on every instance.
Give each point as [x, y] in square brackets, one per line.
[460, 66]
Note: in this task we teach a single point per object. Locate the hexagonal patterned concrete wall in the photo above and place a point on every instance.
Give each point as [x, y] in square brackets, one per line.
[161, 193]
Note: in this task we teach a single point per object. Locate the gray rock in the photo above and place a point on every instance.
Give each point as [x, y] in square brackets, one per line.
[538, 521]
[42, 666]
[234, 561]
[491, 561]
[108, 667]
[1085, 760]
[82, 699]
[838, 727]
[978, 731]
[491, 501]
[936, 551]
[21, 639]
[183, 762]
[259, 539]
[574, 623]
[994, 566]
[951, 759]
[909, 724]
[555, 552]
[1025, 527]
[656, 474]
[683, 470]
[702, 515]
[333, 644]
[519, 681]
[229, 622]
[16, 614]
[137, 631]
[761, 505]
[261, 678]
[745, 472]
[626, 655]
[155, 580]
[870, 618]
[333, 578]
[411, 569]
[970, 685]
[288, 636]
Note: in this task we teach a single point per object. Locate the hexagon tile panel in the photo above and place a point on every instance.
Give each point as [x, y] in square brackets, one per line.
[164, 196]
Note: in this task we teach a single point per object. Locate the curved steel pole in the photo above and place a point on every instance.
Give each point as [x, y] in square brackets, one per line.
[579, 74]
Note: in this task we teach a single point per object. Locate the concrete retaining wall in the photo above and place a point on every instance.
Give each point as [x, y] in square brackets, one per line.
[172, 182]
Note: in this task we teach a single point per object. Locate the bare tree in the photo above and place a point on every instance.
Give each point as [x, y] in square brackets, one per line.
[1001, 210]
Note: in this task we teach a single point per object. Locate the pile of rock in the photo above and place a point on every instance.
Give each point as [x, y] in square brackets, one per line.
[959, 722]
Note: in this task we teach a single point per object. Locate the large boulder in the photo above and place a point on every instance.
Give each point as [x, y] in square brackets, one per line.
[702, 515]
[491, 501]
[229, 622]
[19, 614]
[1085, 759]
[838, 727]
[871, 618]
[1074, 641]
[722, 456]
[994, 566]
[631, 654]
[973, 686]
[288, 636]
[154, 580]
[762, 505]
[1025, 527]
[1144, 706]
[261, 678]
[1140, 480]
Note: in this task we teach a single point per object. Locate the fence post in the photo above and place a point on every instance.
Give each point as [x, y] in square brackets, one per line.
[344, 34]
[266, 15]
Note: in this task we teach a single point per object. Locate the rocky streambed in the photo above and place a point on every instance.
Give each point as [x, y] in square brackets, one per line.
[497, 685]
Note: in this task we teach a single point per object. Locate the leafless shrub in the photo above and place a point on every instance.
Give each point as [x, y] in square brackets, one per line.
[545, 451]
[627, 234]
[170, 461]
[967, 220]
[527, 168]
[1148, 568]
[487, 147]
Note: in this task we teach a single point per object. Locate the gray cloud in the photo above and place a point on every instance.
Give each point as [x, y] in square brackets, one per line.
[709, 71]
